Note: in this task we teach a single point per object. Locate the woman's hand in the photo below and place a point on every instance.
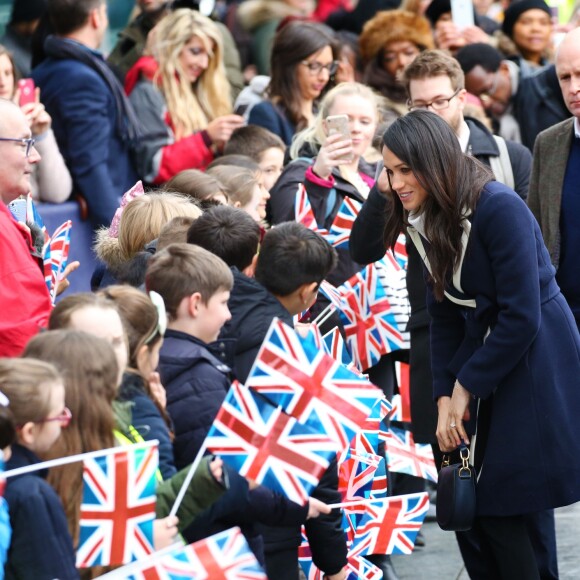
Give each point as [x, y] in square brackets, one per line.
[459, 412]
[448, 36]
[38, 119]
[221, 129]
[336, 151]
[164, 532]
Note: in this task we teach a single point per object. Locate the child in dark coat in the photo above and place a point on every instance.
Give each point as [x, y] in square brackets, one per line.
[41, 547]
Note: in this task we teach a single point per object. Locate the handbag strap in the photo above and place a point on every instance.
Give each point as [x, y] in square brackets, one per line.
[464, 453]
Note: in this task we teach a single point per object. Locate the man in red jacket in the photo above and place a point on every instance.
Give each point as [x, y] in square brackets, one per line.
[24, 300]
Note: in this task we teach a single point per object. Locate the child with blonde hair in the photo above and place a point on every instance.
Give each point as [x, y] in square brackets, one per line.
[141, 223]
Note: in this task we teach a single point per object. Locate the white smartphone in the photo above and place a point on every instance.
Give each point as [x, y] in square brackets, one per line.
[338, 124]
[462, 13]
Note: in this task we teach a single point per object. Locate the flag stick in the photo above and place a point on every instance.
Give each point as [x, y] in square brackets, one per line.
[324, 315]
[75, 458]
[343, 504]
[188, 479]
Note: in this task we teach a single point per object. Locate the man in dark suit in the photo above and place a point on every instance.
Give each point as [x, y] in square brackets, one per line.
[554, 196]
[92, 120]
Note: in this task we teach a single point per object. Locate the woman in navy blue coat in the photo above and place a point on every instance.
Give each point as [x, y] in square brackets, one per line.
[502, 335]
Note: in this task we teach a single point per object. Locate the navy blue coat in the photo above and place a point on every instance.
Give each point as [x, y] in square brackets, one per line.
[196, 384]
[271, 117]
[41, 547]
[84, 118]
[147, 419]
[527, 372]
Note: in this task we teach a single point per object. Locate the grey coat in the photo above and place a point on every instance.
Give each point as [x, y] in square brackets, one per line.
[548, 169]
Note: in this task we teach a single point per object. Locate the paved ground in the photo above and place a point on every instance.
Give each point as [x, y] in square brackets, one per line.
[440, 559]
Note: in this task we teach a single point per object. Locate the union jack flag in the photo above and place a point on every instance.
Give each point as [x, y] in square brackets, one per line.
[223, 556]
[367, 440]
[303, 211]
[335, 295]
[406, 456]
[341, 227]
[390, 526]
[400, 253]
[307, 383]
[356, 474]
[334, 345]
[359, 316]
[358, 567]
[56, 256]
[118, 507]
[268, 446]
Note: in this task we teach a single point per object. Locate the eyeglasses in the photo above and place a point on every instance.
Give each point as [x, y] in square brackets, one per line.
[315, 68]
[28, 143]
[487, 96]
[436, 105]
[161, 326]
[64, 418]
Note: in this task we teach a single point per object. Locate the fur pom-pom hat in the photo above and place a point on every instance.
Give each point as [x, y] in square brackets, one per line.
[392, 26]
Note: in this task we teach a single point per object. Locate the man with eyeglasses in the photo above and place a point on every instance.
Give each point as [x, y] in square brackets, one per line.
[435, 81]
[521, 100]
[24, 300]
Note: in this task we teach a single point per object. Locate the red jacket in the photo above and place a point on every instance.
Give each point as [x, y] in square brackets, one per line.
[24, 300]
[158, 155]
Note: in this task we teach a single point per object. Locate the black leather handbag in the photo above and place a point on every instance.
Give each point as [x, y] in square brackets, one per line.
[456, 501]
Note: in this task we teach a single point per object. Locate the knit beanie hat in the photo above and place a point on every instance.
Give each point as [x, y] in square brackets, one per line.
[515, 10]
[27, 10]
[391, 26]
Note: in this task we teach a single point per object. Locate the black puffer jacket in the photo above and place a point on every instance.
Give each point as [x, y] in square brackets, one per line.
[196, 383]
[252, 308]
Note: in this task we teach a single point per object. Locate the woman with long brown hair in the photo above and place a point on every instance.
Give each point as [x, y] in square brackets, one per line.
[303, 62]
[505, 348]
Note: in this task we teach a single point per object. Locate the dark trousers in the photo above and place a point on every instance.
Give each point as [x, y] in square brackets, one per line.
[282, 565]
[480, 561]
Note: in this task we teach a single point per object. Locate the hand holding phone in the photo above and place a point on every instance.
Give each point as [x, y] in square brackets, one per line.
[27, 92]
[338, 125]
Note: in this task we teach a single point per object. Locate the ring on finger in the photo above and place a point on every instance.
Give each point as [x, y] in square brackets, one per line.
[452, 425]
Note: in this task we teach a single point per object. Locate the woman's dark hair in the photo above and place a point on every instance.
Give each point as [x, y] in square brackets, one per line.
[427, 145]
[293, 44]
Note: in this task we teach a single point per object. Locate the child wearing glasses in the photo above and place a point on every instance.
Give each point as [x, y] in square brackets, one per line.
[41, 546]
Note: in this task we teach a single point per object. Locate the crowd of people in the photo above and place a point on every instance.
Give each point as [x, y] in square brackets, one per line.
[465, 138]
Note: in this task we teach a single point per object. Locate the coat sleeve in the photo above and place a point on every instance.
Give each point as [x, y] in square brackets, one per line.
[534, 190]
[510, 239]
[41, 546]
[85, 109]
[325, 534]
[148, 421]
[202, 492]
[159, 156]
[367, 236]
[283, 194]
[521, 162]
[51, 174]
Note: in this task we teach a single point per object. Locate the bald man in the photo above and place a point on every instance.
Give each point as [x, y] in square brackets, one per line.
[554, 195]
[24, 300]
